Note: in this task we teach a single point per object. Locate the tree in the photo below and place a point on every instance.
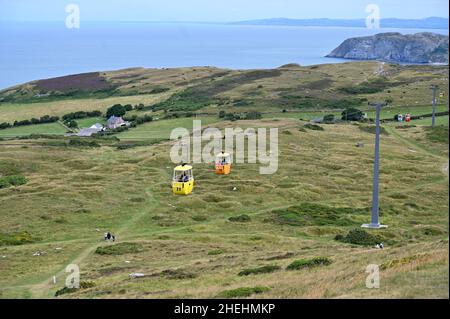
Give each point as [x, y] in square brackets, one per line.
[116, 110]
[72, 124]
[222, 114]
[4, 125]
[352, 114]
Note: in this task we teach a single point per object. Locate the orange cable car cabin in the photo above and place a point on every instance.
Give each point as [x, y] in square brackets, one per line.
[223, 163]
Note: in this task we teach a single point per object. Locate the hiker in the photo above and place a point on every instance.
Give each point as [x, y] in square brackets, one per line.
[109, 236]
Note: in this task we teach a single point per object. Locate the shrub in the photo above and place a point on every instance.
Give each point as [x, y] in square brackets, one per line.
[241, 218]
[259, 270]
[232, 117]
[12, 180]
[243, 292]
[80, 115]
[16, 180]
[120, 249]
[359, 237]
[253, 115]
[143, 119]
[18, 238]
[72, 124]
[309, 263]
[4, 183]
[4, 125]
[222, 114]
[116, 110]
[329, 118]
[352, 114]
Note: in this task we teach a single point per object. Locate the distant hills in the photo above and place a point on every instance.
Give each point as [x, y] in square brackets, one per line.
[427, 23]
[423, 47]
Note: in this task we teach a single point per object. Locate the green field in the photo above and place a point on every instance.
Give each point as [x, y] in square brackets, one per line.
[49, 128]
[88, 122]
[188, 246]
[441, 120]
[161, 129]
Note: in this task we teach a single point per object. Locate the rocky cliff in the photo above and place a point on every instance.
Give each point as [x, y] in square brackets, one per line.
[424, 47]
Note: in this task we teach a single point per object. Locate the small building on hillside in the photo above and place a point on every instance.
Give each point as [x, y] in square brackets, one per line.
[85, 132]
[97, 126]
[115, 122]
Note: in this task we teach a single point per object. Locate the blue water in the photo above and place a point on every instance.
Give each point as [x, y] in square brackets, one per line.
[30, 51]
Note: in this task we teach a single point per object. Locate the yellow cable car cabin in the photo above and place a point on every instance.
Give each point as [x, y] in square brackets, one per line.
[223, 164]
[183, 180]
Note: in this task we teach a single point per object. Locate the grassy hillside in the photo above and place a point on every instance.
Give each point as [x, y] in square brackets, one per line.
[191, 247]
[206, 89]
[294, 234]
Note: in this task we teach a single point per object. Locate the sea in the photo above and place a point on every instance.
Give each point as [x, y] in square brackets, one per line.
[38, 50]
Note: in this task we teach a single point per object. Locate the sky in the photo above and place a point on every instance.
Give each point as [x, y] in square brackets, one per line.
[216, 10]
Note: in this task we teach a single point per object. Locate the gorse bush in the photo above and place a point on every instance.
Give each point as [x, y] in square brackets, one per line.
[18, 238]
[12, 180]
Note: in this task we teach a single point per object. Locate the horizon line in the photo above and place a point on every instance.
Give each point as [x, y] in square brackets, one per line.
[226, 22]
